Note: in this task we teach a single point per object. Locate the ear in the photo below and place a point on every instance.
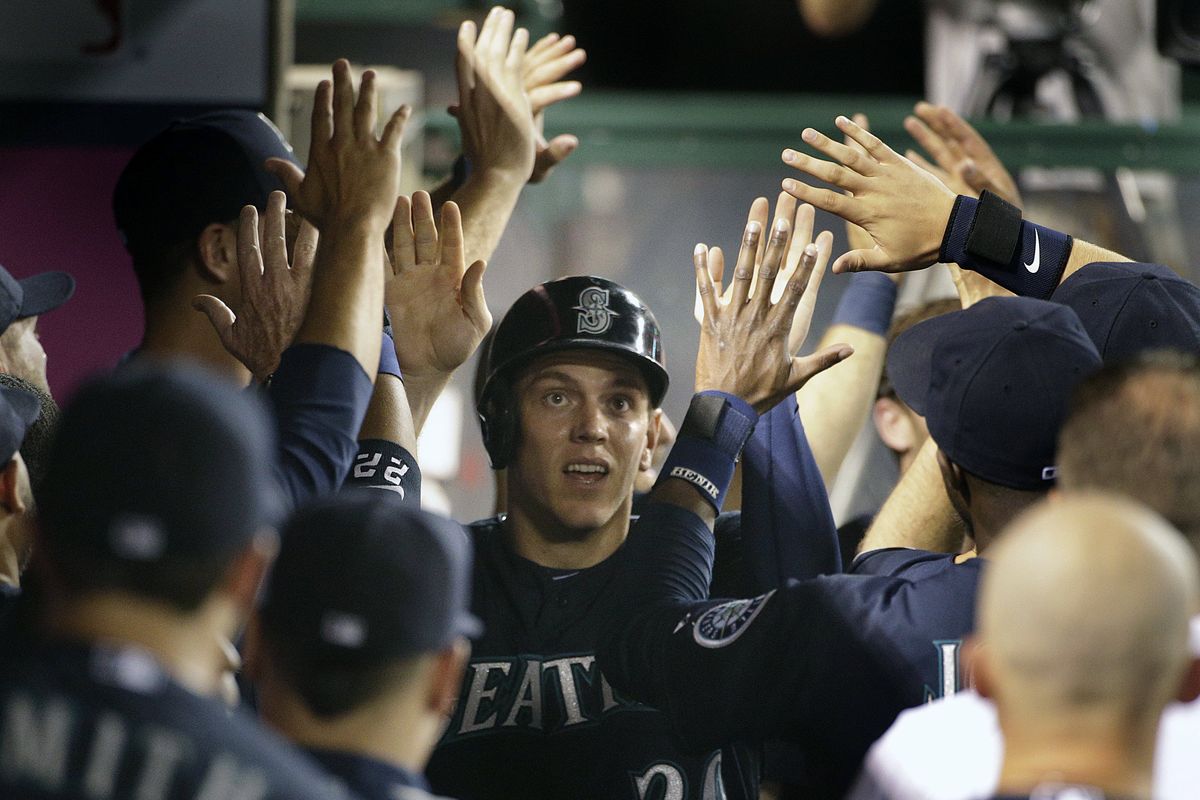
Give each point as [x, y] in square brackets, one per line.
[10, 494]
[893, 425]
[1189, 689]
[653, 431]
[252, 650]
[447, 674]
[216, 248]
[247, 570]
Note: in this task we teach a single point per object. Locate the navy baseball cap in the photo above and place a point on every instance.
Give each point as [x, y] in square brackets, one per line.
[1128, 308]
[363, 578]
[157, 462]
[19, 409]
[196, 172]
[33, 296]
[993, 382]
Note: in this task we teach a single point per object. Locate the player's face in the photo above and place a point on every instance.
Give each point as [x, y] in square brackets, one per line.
[586, 431]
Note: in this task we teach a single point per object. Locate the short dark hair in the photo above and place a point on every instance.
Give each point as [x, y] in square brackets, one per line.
[181, 583]
[903, 321]
[1134, 428]
[331, 688]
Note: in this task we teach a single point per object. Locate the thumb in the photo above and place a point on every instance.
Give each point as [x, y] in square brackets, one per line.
[805, 367]
[873, 260]
[562, 146]
[474, 302]
[219, 314]
[287, 172]
[972, 176]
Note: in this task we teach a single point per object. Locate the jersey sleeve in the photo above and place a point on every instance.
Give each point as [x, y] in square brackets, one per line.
[319, 395]
[792, 663]
[892, 561]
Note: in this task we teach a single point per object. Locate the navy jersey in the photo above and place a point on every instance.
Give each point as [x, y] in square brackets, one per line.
[826, 662]
[107, 723]
[372, 779]
[538, 719]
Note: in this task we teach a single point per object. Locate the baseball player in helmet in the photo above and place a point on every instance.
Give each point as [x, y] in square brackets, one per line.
[569, 407]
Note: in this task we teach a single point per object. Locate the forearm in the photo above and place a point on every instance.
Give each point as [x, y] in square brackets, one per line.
[1083, 253]
[918, 513]
[347, 292]
[422, 392]
[388, 415]
[835, 403]
[788, 530]
[486, 201]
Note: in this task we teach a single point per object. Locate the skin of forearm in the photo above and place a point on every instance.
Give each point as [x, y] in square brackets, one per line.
[918, 513]
[486, 201]
[388, 415]
[1083, 253]
[677, 492]
[347, 292]
[835, 403]
[422, 392]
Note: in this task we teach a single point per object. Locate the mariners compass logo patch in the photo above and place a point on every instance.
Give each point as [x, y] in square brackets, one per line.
[723, 624]
[595, 316]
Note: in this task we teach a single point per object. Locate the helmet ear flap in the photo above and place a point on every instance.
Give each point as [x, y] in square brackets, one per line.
[498, 423]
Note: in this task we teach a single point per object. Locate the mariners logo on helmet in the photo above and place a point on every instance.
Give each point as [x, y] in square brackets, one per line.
[595, 316]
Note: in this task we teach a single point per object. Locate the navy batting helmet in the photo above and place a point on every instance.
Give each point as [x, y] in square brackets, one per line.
[578, 312]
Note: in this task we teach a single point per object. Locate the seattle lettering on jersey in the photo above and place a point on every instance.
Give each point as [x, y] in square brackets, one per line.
[949, 670]
[47, 745]
[531, 693]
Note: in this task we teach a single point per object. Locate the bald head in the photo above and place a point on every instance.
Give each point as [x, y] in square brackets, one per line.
[1084, 612]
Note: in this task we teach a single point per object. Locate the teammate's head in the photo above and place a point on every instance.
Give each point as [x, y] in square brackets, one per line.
[365, 617]
[21, 302]
[901, 429]
[18, 411]
[177, 201]
[35, 447]
[569, 404]
[1083, 623]
[1129, 308]
[158, 481]
[1134, 428]
[992, 382]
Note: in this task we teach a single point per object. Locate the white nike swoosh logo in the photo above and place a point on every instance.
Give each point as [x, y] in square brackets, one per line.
[1037, 254]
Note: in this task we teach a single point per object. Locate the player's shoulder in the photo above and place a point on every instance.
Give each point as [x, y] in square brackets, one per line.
[910, 563]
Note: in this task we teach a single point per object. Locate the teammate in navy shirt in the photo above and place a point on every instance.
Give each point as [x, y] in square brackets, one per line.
[362, 669]
[843, 654]
[156, 527]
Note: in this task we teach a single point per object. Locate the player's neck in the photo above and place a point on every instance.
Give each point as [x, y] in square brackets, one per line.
[1111, 759]
[187, 646]
[395, 730]
[176, 331]
[543, 542]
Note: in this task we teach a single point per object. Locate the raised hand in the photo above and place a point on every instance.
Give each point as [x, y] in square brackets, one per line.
[274, 292]
[964, 160]
[546, 63]
[352, 175]
[436, 301]
[744, 344]
[901, 206]
[494, 112]
[800, 220]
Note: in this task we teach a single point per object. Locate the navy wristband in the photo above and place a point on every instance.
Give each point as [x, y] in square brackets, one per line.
[388, 363]
[867, 303]
[710, 439]
[381, 464]
[1039, 255]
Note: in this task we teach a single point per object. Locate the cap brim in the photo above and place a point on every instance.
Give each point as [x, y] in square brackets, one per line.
[45, 292]
[910, 360]
[468, 625]
[28, 406]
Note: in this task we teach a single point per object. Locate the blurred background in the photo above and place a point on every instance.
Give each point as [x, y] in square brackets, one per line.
[685, 109]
